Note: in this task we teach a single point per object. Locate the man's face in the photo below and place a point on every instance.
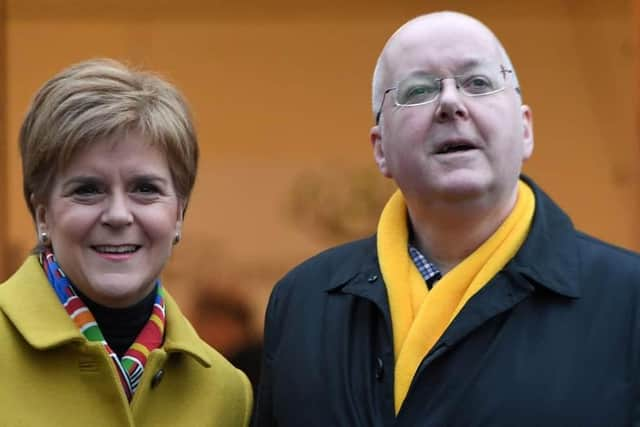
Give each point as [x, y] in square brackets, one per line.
[457, 147]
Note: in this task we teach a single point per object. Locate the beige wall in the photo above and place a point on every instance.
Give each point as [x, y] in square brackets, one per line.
[4, 220]
[280, 91]
[636, 62]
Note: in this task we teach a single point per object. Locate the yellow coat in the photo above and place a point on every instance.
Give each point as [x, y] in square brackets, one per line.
[50, 375]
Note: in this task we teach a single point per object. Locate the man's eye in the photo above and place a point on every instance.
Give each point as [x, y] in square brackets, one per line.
[418, 93]
[477, 84]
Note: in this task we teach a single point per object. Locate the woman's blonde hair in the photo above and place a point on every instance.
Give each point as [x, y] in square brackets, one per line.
[103, 99]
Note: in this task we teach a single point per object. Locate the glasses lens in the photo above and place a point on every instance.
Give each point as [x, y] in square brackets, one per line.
[480, 83]
[417, 90]
[421, 89]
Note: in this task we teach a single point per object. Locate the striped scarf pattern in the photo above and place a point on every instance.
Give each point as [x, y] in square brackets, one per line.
[131, 366]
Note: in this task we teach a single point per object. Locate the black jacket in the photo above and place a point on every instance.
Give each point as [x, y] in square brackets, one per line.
[552, 340]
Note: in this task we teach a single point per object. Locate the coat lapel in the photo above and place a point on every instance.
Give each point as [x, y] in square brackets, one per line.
[30, 303]
[181, 337]
[361, 277]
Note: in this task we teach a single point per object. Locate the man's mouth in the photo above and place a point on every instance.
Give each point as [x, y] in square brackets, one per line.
[455, 147]
[116, 249]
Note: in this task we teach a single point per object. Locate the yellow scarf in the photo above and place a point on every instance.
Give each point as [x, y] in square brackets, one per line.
[419, 317]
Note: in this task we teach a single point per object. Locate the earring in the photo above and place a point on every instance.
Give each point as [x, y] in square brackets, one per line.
[176, 239]
[44, 238]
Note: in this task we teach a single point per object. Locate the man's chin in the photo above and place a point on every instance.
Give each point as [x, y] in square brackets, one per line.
[462, 186]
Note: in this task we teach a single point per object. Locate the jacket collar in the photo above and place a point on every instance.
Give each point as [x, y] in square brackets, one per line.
[359, 274]
[549, 257]
[30, 303]
[360, 266]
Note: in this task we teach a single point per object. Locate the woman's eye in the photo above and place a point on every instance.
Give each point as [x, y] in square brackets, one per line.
[86, 190]
[146, 188]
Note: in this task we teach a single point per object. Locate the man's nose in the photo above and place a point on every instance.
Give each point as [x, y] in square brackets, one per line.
[117, 211]
[451, 105]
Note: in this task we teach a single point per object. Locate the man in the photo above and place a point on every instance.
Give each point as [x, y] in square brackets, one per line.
[476, 303]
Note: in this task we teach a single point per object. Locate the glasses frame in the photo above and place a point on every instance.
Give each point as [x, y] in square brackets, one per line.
[503, 70]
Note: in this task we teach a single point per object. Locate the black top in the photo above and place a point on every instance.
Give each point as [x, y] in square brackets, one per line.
[120, 326]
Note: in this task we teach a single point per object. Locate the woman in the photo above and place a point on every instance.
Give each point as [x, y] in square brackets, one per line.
[88, 334]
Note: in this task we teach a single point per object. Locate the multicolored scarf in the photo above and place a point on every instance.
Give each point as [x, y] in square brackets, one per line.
[131, 366]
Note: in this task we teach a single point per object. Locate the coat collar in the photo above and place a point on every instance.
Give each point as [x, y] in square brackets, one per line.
[32, 306]
[181, 337]
[549, 257]
[359, 275]
[359, 268]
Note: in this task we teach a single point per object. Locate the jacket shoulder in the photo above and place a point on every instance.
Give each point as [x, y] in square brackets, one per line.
[608, 270]
[332, 266]
[228, 381]
[303, 292]
[606, 252]
[215, 374]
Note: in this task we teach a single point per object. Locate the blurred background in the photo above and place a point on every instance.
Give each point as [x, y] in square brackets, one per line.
[280, 90]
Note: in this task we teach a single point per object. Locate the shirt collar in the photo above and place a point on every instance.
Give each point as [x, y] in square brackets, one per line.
[428, 270]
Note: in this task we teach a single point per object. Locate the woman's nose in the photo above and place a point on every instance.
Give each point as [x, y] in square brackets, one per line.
[117, 212]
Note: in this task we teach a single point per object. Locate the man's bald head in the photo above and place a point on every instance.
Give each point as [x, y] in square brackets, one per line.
[445, 20]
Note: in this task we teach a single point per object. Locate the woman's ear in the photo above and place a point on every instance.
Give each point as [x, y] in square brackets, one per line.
[40, 218]
[182, 207]
[39, 212]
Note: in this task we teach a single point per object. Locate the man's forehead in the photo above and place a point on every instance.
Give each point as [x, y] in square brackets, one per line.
[442, 39]
[443, 24]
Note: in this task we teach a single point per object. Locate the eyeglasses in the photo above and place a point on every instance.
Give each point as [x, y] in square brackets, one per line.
[420, 89]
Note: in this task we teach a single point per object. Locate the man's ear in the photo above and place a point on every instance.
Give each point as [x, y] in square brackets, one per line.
[527, 129]
[375, 136]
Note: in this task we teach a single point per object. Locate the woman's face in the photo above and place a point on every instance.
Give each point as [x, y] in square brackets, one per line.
[112, 217]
